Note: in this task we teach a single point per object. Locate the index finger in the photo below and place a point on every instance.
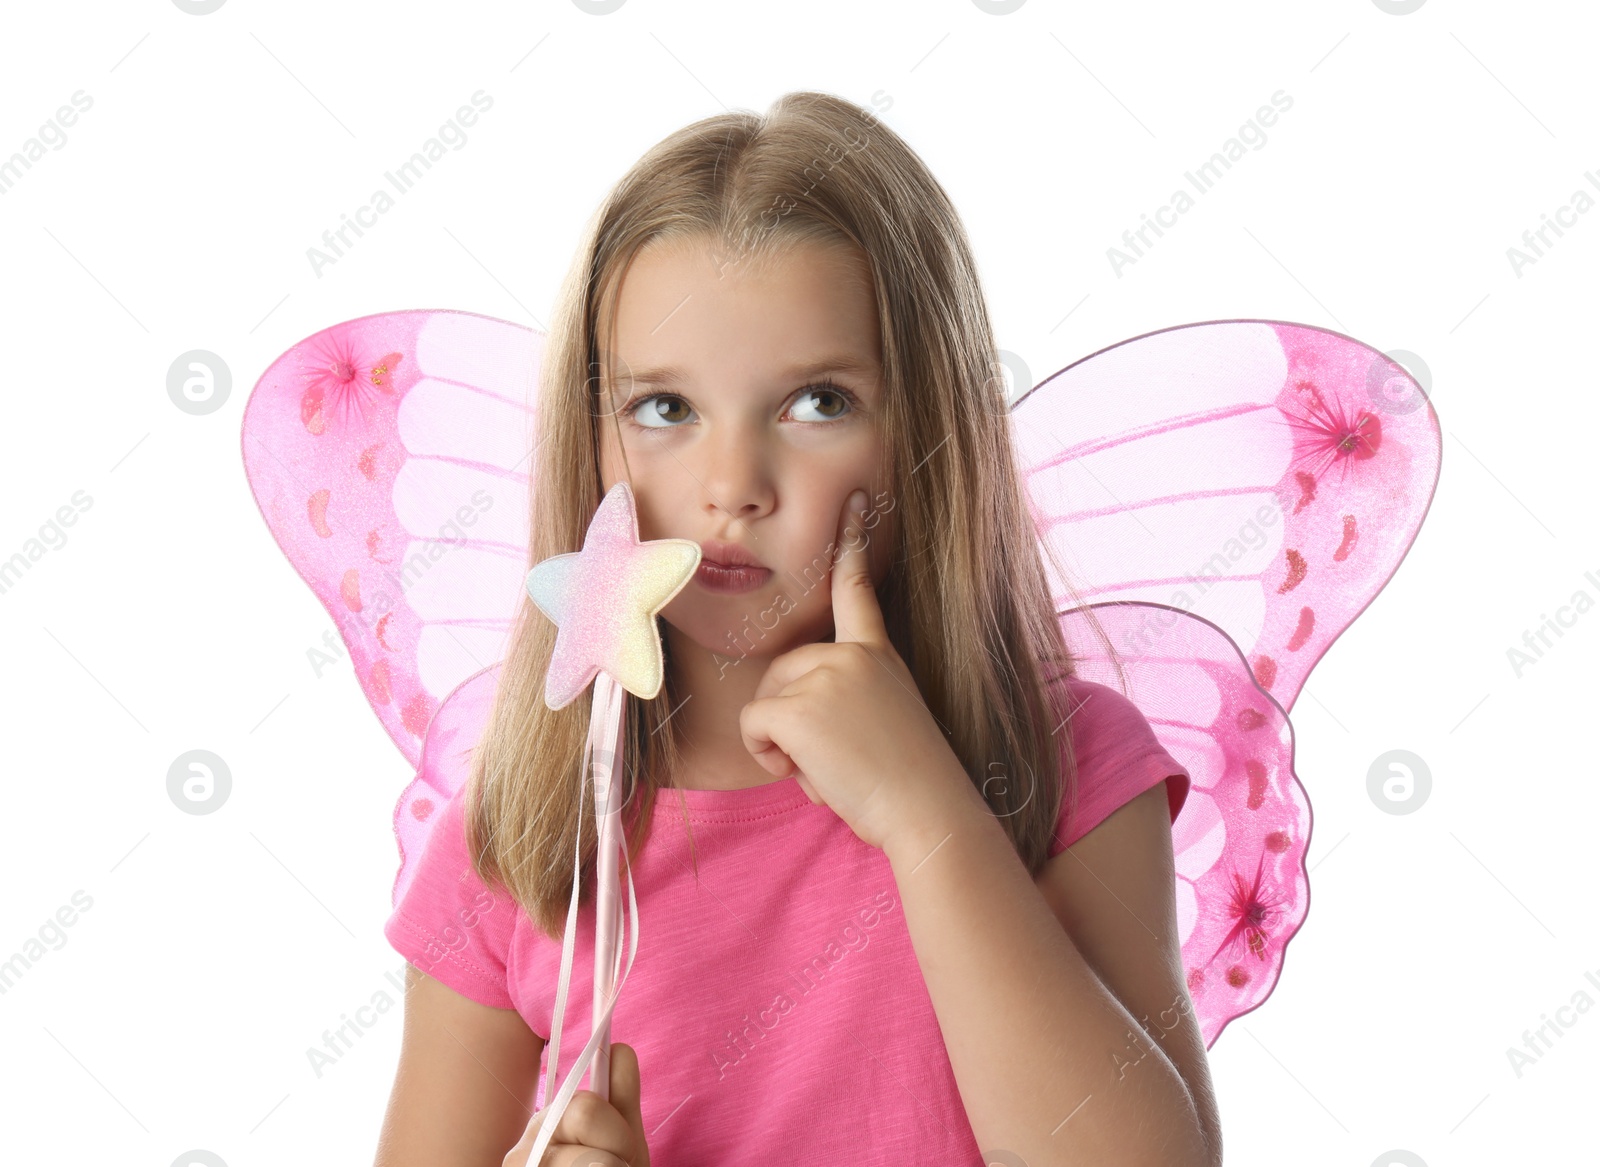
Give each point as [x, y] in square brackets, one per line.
[856, 614]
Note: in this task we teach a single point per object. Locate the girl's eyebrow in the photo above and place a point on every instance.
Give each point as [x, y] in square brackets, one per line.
[841, 363]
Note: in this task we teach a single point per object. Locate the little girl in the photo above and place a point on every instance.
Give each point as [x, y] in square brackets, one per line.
[905, 884]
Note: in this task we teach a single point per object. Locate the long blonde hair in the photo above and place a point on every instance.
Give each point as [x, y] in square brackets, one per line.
[966, 600]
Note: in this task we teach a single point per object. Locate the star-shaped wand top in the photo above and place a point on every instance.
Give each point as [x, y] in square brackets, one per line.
[605, 599]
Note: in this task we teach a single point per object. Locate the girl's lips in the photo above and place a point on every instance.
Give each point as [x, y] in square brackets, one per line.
[724, 580]
[727, 554]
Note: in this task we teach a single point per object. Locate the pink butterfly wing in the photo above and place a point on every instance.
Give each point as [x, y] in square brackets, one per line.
[446, 762]
[1267, 478]
[1239, 843]
[390, 456]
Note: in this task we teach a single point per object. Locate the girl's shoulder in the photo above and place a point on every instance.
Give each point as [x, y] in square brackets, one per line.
[1118, 757]
[446, 922]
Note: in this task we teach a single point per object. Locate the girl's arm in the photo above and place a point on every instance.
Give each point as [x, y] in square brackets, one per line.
[1047, 994]
[465, 1086]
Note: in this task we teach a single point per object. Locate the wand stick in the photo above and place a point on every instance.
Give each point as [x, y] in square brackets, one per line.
[609, 706]
[604, 600]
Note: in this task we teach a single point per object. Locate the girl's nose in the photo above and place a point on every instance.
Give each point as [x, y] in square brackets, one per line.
[736, 476]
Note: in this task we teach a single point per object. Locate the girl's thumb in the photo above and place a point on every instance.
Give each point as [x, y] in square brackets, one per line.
[625, 1097]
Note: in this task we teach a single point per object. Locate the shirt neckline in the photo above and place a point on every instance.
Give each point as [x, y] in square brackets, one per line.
[778, 795]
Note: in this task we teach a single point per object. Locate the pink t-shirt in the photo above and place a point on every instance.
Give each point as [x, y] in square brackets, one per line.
[775, 1003]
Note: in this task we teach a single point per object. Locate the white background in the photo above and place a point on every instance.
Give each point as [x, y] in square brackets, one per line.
[179, 1010]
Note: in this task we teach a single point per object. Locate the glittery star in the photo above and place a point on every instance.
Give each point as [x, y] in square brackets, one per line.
[605, 599]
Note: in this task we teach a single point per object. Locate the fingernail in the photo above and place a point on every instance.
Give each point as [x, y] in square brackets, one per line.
[858, 502]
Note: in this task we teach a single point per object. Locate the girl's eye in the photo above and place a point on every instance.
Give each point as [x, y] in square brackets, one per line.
[655, 406]
[836, 401]
[664, 411]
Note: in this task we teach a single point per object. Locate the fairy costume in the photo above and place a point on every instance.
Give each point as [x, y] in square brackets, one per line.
[1227, 496]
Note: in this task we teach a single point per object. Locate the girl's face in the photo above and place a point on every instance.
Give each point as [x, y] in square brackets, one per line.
[747, 398]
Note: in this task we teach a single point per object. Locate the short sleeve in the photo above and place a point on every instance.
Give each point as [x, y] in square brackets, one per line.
[1118, 756]
[448, 924]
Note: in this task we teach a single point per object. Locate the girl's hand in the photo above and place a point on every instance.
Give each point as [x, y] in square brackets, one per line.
[593, 1132]
[846, 718]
